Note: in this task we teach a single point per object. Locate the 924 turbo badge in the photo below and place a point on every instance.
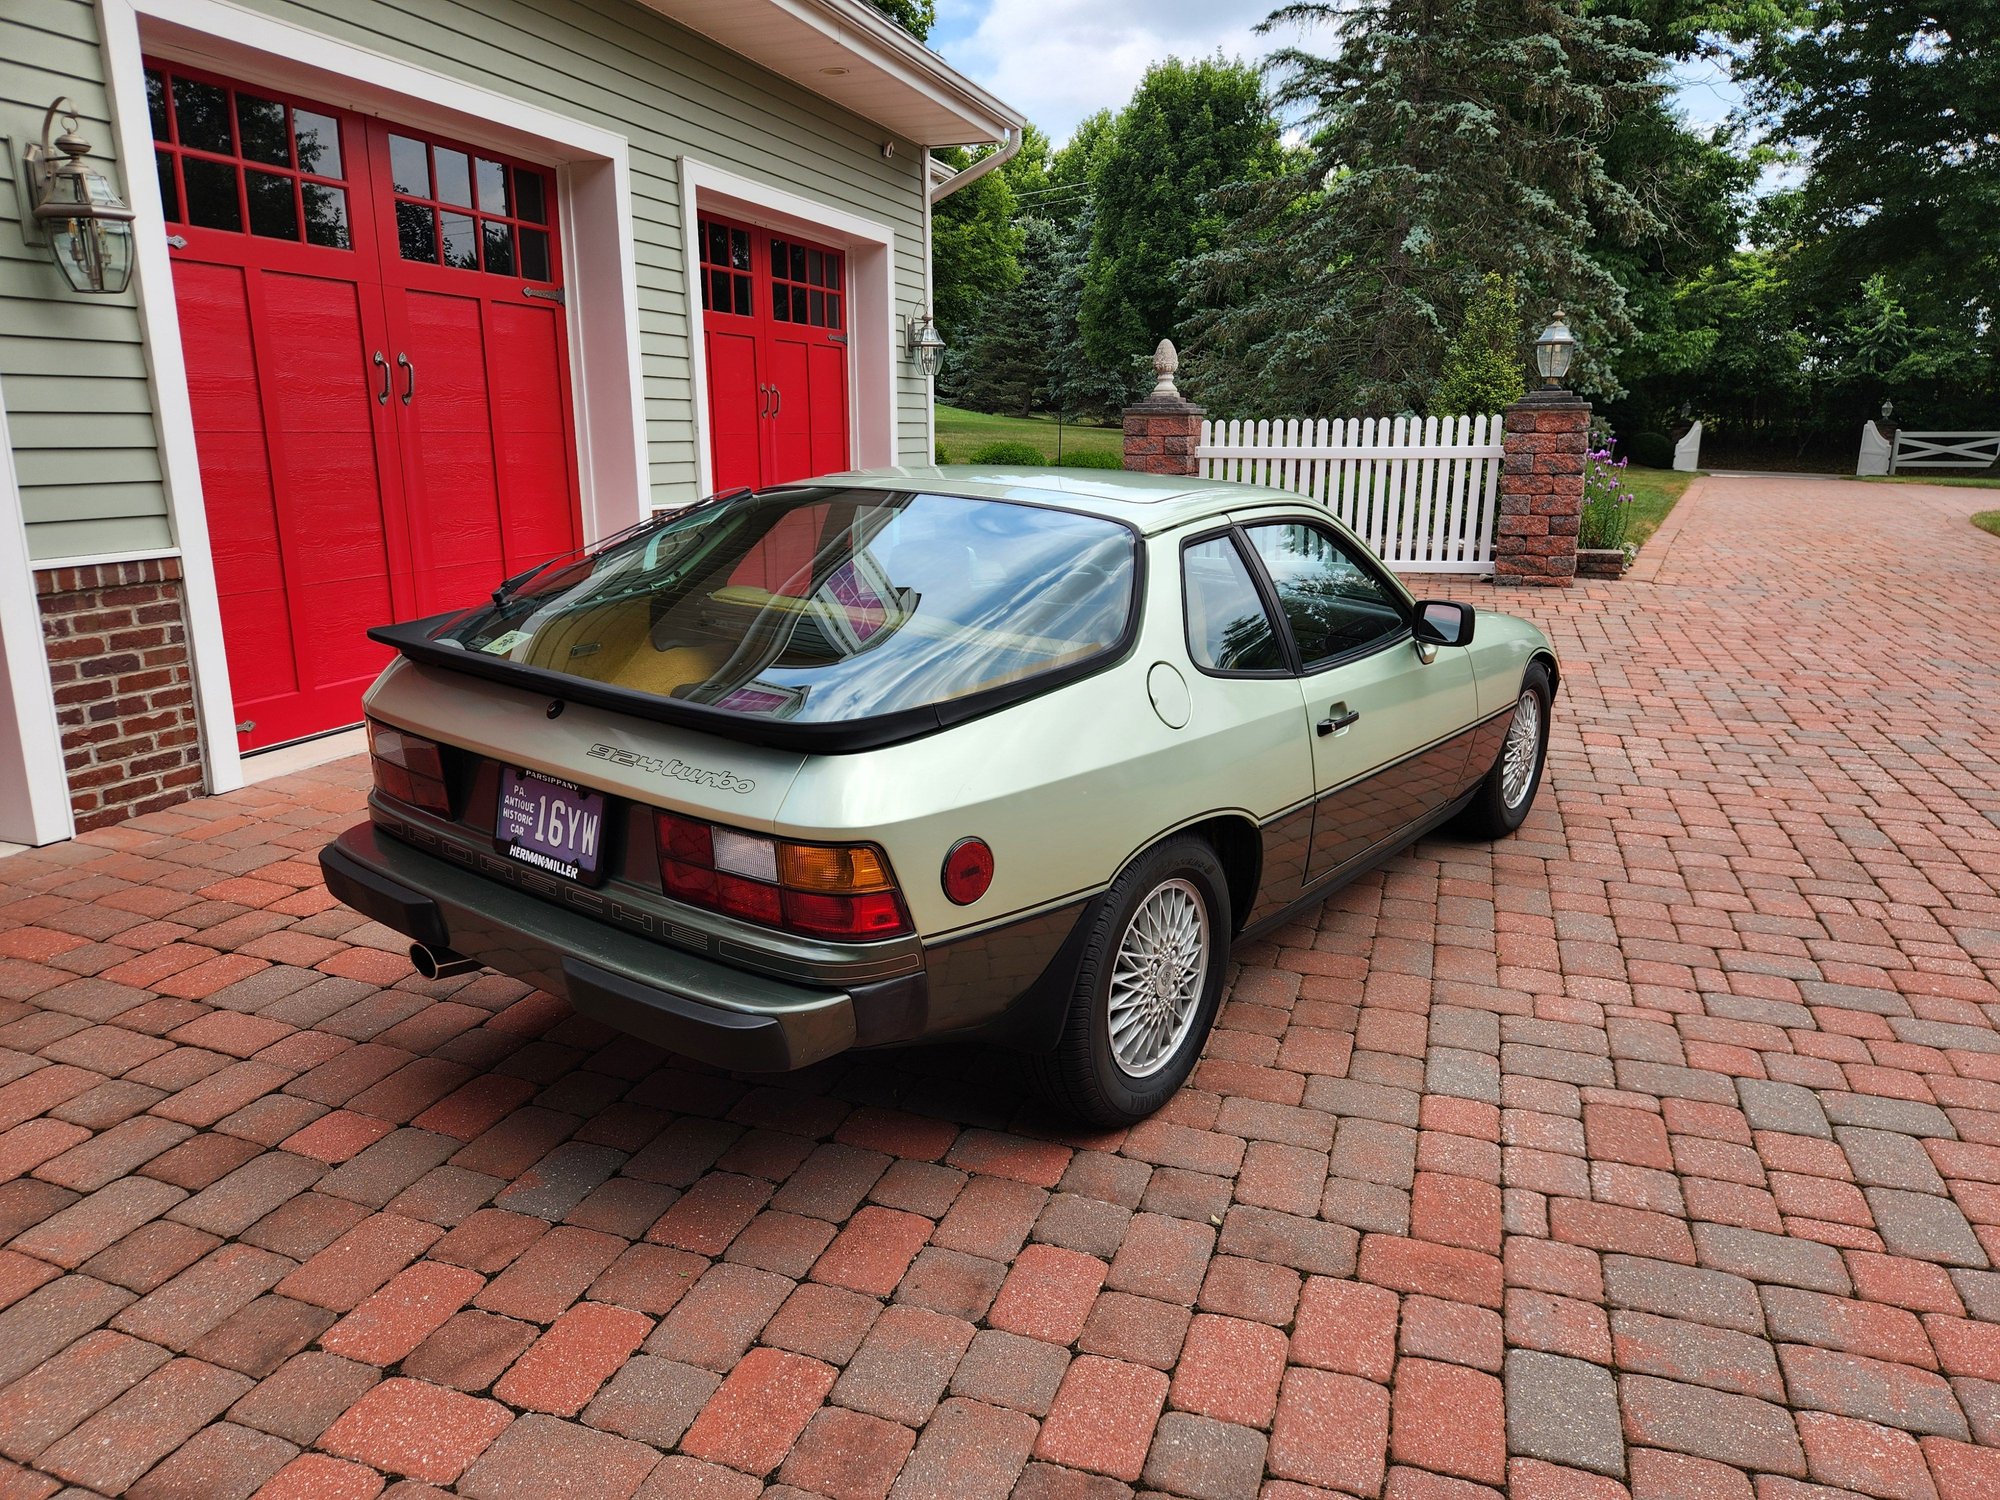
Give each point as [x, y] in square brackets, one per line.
[680, 770]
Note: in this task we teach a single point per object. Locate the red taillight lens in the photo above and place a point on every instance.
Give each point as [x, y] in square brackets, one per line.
[818, 890]
[408, 768]
[968, 871]
[877, 914]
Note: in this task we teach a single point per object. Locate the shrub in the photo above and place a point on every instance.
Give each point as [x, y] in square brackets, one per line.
[1009, 453]
[1651, 450]
[1093, 458]
[940, 456]
[1483, 368]
[1607, 504]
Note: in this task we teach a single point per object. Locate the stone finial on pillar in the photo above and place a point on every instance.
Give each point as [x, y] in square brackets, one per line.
[1163, 431]
[1546, 442]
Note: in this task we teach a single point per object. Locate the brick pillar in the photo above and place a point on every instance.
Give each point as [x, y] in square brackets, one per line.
[1541, 489]
[1162, 432]
[116, 635]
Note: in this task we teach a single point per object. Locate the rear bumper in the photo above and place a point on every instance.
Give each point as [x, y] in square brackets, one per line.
[727, 1017]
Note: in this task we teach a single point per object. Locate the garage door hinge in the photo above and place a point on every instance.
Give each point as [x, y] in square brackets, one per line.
[554, 295]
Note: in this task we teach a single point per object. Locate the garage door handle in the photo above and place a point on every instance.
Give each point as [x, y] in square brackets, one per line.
[763, 401]
[1339, 721]
[382, 396]
[410, 390]
[777, 400]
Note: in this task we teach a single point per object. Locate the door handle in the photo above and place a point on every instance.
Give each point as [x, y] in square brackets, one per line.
[1339, 721]
[410, 390]
[382, 396]
[778, 400]
[763, 400]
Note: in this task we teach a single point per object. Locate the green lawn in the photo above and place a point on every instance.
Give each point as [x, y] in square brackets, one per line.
[960, 432]
[1950, 481]
[1988, 520]
[1654, 492]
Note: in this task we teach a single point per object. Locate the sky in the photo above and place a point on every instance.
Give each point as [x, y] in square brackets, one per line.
[1060, 60]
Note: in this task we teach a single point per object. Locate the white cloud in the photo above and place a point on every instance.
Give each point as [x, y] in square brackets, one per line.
[1059, 60]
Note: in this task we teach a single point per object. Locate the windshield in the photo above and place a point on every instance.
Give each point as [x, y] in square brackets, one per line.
[821, 605]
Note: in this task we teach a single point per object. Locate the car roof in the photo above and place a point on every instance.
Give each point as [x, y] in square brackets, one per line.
[1149, 502]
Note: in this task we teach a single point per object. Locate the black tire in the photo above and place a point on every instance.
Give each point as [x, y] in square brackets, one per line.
[1489, 815]
[1083, 1077]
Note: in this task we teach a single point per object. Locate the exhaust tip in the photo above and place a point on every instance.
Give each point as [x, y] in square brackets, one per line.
[439, 963]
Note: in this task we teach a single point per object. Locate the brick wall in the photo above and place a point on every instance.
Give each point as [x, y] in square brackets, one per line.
[118, 656]
[1541, 489]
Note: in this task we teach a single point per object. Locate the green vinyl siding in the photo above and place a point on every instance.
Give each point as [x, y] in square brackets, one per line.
[608, 63]
[72, 369]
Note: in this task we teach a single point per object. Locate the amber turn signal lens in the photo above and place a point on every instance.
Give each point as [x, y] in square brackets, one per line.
[849, 869]
[968, 871]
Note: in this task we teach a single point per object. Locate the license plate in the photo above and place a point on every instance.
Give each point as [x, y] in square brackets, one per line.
[550, 825]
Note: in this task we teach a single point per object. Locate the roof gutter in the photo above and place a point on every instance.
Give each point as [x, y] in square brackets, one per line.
[1010, 147]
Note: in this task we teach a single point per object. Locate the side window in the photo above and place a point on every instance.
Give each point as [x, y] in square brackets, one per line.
[1227, 628]
[1333, 604]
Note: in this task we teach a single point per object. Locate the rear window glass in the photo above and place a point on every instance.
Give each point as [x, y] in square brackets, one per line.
[823, 605]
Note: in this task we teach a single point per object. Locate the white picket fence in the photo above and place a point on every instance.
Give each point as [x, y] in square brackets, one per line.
[1421, 492]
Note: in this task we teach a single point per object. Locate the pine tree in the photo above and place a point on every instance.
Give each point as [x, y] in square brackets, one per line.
[1484, 369]
[1007, 369]
[1445, 139]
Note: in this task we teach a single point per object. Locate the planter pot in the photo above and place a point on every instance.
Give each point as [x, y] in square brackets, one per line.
[1600, 562]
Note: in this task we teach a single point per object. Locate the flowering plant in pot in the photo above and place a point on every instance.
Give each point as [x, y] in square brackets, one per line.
[1601, 548]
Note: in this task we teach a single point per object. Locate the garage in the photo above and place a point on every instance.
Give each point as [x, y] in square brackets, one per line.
[378, 365]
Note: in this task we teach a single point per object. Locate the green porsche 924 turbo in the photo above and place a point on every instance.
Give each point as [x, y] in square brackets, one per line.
[916, 753]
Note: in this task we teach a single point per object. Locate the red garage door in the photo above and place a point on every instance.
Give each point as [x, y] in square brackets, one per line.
[774, 315]
[378, 364]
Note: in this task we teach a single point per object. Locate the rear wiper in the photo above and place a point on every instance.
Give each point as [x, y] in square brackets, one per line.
[511, 586]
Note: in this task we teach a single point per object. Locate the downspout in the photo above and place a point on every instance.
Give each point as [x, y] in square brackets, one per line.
[1010, 147]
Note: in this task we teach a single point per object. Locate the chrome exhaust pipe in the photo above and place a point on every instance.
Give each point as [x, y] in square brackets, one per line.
[440, 963]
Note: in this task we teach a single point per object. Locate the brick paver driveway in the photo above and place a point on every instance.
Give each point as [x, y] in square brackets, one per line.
[1658, 1148]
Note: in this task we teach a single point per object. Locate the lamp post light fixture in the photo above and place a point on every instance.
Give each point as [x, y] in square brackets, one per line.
[1555, 350]
[89, 228]
[926, 344]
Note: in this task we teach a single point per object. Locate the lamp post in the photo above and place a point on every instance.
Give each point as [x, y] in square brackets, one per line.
[1555, 351]
[89, 228]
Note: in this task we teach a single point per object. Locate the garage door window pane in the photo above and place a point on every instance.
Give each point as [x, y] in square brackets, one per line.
[273, 212]
[461, 242]
[1332, 603]
[201, 110]
[261, 123]
[499, 248]
[410, 166]
[318, 136]
[416, 232]
[528, 197]
[211, 194]
[326, 216]
[454, 176]
[535, 254]
[1227, 627]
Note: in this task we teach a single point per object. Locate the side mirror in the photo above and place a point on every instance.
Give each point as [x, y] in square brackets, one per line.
[1442, 622]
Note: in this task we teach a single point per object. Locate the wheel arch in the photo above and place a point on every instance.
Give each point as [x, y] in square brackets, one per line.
[1240, 848]
[1547, 659]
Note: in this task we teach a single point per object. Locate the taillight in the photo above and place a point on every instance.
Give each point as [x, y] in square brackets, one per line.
[408, 768]
[818, 890]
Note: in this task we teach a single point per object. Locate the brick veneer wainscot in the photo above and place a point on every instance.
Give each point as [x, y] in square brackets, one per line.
[1547, 438]
[118, 656]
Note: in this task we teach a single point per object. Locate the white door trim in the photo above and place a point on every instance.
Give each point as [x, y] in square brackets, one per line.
[871, 267]
[600, 273]
[34, 786]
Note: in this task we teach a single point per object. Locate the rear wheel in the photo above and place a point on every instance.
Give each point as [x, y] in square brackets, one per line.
[1147, 989]
[1501, 804]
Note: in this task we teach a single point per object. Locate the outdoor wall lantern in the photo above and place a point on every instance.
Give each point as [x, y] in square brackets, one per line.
[1554, 351]
[926, 344]
[89, 228]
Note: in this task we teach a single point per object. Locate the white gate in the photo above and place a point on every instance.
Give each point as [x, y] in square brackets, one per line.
[1945, 450]
[1421, 492]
